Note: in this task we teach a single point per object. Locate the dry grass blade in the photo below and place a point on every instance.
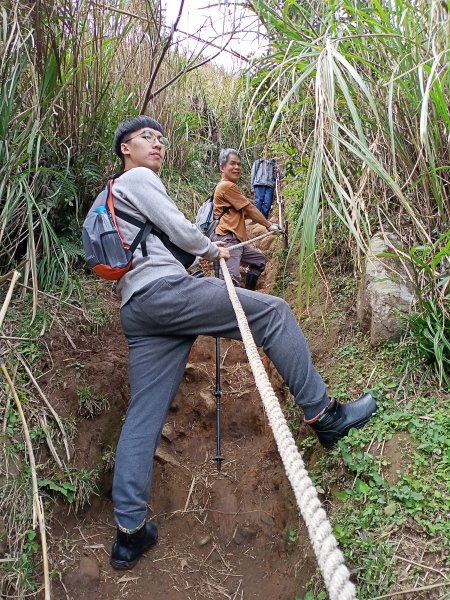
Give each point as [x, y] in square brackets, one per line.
[424, 588]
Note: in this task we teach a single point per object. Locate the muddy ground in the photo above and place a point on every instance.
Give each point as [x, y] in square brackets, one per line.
[234, 534]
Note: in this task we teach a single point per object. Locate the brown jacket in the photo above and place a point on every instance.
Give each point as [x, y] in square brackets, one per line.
[227, 195]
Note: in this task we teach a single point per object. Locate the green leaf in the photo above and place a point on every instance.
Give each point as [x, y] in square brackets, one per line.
[344, 494]
[361, 487]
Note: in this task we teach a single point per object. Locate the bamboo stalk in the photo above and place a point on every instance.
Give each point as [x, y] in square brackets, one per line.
[37, 502]
[5, 305]
[7, 276]
[15, 338]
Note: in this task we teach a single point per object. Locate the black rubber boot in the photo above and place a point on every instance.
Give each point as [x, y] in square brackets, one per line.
[338, 419]
[128, 547]
[250, 281]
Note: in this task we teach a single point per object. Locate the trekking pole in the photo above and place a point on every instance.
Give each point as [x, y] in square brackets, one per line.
[280, 202]
[218, 391]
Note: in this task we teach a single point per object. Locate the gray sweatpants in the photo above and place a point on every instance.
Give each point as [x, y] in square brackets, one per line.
[161, 322]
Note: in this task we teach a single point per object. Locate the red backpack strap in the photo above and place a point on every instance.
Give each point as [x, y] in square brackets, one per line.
[110, 205]
[145, 227]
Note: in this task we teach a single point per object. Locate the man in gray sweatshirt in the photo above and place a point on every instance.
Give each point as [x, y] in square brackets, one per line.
[164, 309]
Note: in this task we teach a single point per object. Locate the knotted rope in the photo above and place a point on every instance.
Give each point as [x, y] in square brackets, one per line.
[331, 561]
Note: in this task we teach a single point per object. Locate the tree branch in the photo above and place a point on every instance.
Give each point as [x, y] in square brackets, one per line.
[161, 58]
[183, 72]
[222, 49]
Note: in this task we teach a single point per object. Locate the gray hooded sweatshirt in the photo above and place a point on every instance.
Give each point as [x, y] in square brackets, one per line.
[140, 193]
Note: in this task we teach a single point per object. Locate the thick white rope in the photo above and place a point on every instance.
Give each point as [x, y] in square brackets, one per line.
[255, 239]
[331, 561]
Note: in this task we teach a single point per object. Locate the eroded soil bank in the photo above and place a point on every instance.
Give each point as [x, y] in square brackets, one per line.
[221, 534]
[233, 534]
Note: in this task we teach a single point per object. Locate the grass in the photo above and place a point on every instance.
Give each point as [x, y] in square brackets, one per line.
[312, 596]
[18, 572]
[91, 404]
[386, 486]
[376, 508]
[52, 440]
[76, 486]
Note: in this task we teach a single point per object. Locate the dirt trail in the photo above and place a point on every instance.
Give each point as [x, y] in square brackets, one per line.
[222, 535]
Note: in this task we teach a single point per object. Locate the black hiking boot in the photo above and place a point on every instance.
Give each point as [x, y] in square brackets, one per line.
[250, 281]
[338, 419]
[128, 547]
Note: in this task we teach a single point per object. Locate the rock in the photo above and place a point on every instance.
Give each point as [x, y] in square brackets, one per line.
[165, 457]
[202, 540]
[249, 531]
[267, 519]
[183, 564]
[86, 576]
[89, 569]
[245, 533]
[177, 401]
[169, 432]
[384, 293]
[208, 401]
[215, 558]
[237, 538]
[192, 373]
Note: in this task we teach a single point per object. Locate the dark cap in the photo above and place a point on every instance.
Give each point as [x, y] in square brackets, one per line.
[130, 126]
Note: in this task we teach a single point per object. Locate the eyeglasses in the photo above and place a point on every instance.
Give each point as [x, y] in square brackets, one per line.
[151, 139]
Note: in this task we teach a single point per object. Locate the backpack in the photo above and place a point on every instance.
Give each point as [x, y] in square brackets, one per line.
[205, 217]
[106, 253]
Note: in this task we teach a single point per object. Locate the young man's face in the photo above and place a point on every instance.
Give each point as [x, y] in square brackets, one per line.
[143, 148]
[232, 169]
